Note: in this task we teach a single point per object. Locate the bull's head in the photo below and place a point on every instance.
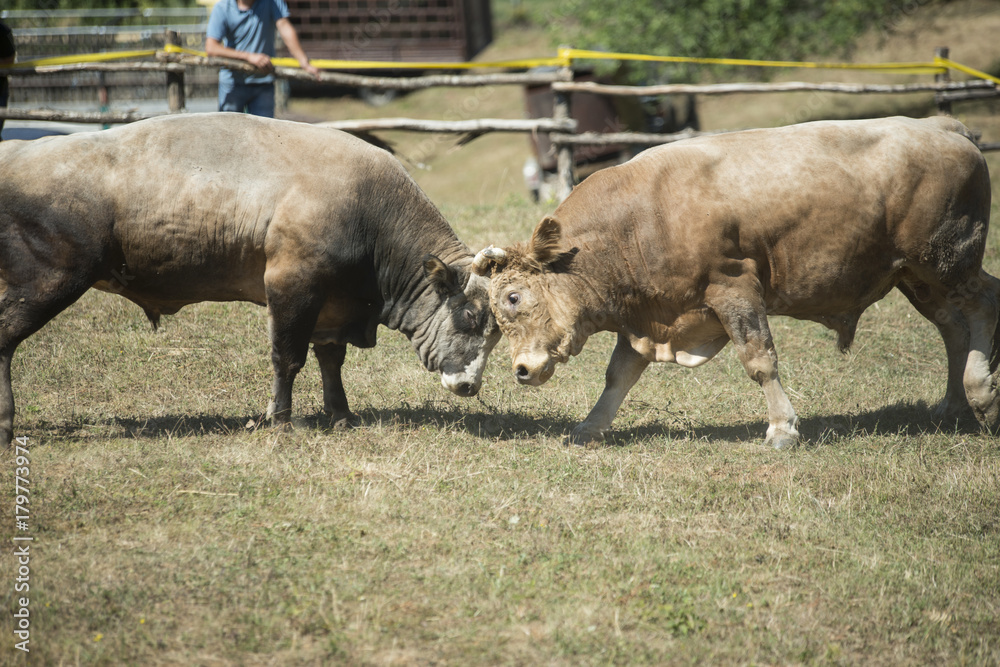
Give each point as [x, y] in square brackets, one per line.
[463, 330]
[536, 301]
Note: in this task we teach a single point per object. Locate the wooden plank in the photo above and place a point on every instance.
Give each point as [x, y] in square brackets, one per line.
[57, 116]
[787, 87]
[637, 138]
[474, 126]
[99, 67]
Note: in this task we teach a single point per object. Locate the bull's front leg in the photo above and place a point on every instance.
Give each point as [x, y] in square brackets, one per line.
[783, 423]
[748, 329]
[623, 372]
[279, 411]
[291, 318]
[331, 361]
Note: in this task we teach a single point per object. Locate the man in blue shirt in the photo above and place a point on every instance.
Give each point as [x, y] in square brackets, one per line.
[244, 30]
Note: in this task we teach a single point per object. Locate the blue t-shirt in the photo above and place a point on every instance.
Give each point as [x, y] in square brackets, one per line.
[251, 30]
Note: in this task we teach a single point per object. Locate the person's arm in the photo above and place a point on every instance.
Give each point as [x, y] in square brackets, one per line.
[215, 49]
[291, 39]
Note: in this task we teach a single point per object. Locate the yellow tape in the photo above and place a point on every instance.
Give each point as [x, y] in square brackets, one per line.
[379, 64]
[85, 58]
[173, 48]
[565, 58]
[898, 68]
[967, 70]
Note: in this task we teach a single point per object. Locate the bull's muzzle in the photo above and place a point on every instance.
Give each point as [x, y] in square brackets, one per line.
[461, 384]
[533, 369]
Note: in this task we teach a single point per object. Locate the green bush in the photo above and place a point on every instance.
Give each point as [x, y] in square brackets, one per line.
[765, 29]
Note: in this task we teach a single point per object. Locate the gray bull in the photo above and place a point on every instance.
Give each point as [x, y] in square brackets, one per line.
[693, 245]
[327, 231]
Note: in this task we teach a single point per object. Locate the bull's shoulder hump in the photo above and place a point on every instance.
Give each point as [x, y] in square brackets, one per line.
[232, 133]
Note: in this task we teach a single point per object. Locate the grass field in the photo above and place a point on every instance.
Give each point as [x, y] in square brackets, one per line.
[463, 531]
[170, 528]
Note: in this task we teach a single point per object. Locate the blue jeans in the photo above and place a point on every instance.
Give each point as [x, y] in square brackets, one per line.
[252, 98]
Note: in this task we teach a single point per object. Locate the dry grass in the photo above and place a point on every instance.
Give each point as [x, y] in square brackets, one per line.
[456, 531]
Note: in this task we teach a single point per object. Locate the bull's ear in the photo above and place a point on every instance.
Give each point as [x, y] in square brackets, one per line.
[545, 242]
[444, 278]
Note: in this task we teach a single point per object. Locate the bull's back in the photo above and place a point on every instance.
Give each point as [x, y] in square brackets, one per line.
[817, 206]
[184, 207]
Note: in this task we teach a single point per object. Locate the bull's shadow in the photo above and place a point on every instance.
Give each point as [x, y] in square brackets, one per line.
[910, 419]
[903, 418]
[171, 425]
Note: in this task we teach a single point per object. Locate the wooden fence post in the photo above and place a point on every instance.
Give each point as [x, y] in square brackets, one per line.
[564, 154]
[103, 97]
[943, 105]
[175, 81]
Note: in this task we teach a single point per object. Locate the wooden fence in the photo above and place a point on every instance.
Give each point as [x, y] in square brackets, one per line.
[561, 127]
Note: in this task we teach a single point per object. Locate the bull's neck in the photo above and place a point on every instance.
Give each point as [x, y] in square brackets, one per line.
[596, 283]
[408, 298]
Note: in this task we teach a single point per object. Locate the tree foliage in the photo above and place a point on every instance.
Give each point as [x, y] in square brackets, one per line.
[750, 29]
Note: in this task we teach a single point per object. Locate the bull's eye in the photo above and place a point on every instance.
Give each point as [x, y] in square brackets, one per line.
[513, 298]
[470, 317]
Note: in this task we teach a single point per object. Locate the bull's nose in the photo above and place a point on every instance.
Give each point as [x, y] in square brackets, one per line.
[521, 373]
[459, 386]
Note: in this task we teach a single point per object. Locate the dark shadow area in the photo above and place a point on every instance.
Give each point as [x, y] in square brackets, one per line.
[909, 419]
[136, 427]
[903, 418]
[481, 423]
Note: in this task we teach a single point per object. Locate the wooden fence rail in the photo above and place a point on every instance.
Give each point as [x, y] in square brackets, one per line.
[379, 82]
[561, 128]
[786, 87]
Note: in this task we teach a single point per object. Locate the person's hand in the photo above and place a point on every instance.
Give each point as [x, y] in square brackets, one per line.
[313, 70]
[261, 61]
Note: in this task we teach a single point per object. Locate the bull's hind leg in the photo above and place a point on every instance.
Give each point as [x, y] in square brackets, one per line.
[981, 308]
[953, 327]
[293, 309]
[331, 361]
[744, 318]
[967, 317]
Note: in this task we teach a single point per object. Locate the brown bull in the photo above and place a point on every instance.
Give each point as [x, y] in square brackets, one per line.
[693, 245]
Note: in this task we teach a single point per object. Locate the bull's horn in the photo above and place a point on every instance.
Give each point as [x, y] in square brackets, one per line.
[481, 262]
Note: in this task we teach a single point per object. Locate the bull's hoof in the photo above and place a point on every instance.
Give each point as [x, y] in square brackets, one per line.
[948, 413]
[989, 418]
[782, 441]
[782, 438]
[783, 434]
[344, 421]
[584, 435]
